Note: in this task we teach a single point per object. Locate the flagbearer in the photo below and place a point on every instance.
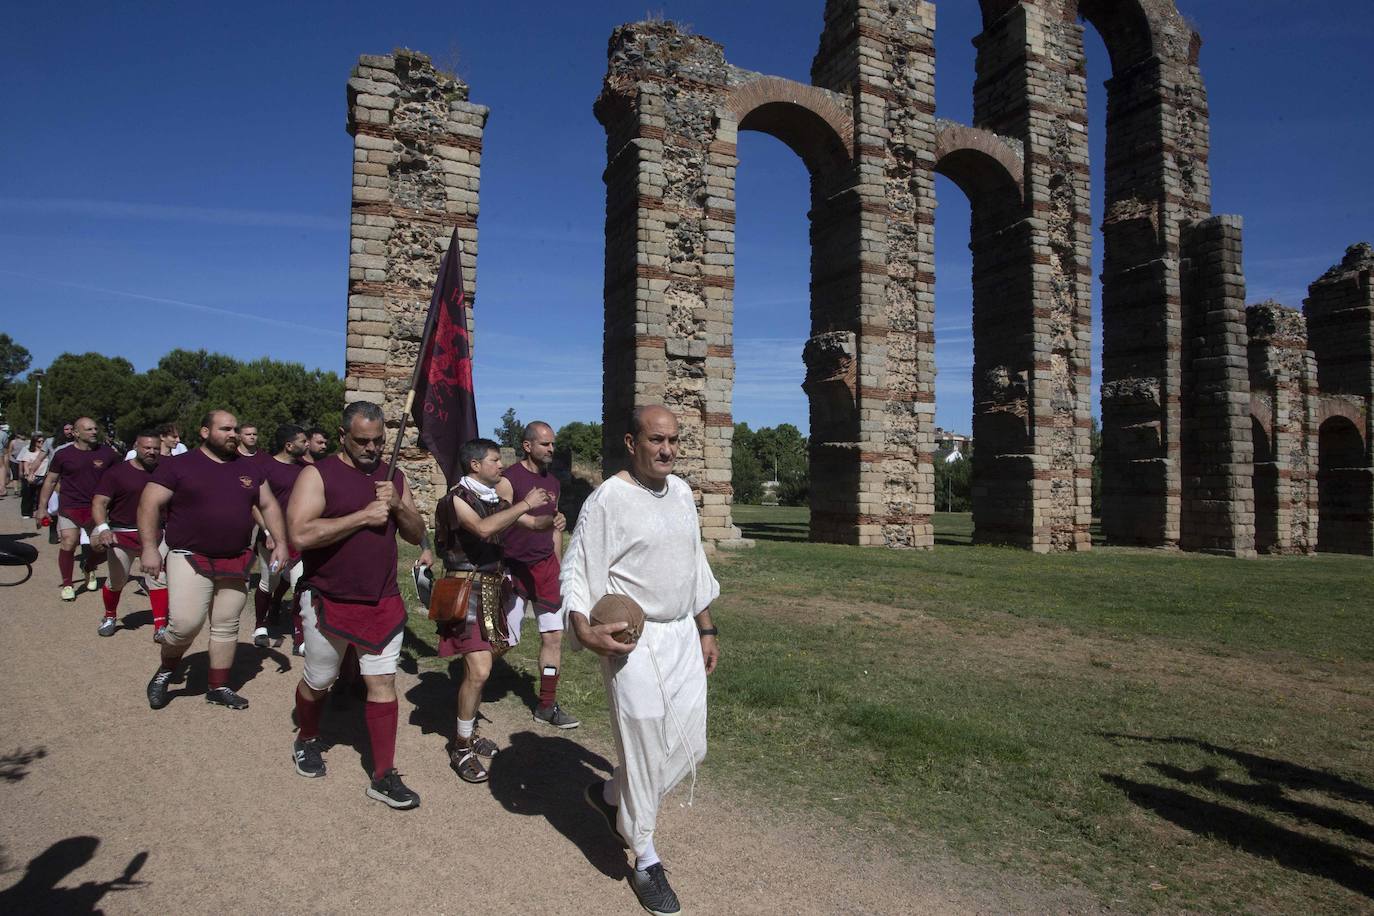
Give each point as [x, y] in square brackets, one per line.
[344, 515]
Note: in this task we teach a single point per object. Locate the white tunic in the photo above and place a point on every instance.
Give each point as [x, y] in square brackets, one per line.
[629, 542]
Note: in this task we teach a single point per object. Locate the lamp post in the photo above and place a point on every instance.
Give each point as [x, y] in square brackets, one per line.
[37, 376]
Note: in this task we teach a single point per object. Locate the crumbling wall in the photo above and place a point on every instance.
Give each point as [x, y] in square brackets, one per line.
[417, 150]
[1340, 331]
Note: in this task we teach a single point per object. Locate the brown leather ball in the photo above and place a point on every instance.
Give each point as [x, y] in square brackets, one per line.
[617, 609]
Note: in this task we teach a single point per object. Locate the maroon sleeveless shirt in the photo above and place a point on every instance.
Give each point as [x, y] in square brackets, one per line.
[362, 567]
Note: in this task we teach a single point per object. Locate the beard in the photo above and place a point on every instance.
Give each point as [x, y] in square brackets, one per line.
[226, 449]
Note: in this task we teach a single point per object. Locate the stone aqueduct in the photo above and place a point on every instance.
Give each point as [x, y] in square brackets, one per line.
[1225, 429]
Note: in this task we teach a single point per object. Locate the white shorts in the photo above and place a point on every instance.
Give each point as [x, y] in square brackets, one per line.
[324, 652]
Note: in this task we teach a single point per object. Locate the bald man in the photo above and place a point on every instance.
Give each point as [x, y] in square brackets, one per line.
[638, 536]
[78, 468]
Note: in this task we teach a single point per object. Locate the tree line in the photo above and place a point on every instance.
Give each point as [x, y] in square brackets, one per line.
[180, 389]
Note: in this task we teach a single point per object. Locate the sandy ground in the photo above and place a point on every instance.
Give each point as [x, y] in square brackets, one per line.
[106, 805]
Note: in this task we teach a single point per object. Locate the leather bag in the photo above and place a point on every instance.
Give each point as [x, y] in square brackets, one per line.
[449, 600]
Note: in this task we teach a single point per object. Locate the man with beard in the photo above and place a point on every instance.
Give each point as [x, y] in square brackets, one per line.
[533, 547]
[208, 496]
[282, 470]
[78, 468]
[344, 517]
[114, 509]
[317, 444]
[638, 536]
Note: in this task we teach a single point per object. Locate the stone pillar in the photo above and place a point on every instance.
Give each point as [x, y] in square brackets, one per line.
[1283, 410]
[1032, 374]
[417, 151]
[1218, 511]
[1340, 329]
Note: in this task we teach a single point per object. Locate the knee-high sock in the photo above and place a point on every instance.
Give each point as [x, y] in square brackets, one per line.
[261, 600]
[381, 731]
[158, 598]
[219, 677]
[308, 714]
[66, 564]
[111, 599]
[548, 685]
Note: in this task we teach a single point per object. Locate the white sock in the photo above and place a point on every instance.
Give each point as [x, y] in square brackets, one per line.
[465, 727]
[646, 858]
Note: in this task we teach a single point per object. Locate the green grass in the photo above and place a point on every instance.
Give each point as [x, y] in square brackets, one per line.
[1162, 731]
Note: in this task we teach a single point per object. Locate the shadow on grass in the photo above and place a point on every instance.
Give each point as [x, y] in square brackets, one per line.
[37, 890]
[544, 776]
[1249, 833]
[771, 531]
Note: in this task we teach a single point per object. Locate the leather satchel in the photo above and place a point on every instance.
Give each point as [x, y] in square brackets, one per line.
[449, 600]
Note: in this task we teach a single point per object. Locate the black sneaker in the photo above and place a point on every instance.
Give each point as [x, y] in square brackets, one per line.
[595, 797]
[556, 716]
[389, 790]
[157, 689]
[651, 887]
[306, 754]
[225, 696]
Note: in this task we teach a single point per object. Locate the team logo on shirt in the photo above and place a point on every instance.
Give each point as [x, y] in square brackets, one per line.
[247, 482]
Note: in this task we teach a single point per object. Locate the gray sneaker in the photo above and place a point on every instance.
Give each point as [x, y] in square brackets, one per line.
[108, 626]
[654, 893]
[556, 716]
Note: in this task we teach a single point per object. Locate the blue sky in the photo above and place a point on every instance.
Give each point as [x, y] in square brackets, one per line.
[178, 175]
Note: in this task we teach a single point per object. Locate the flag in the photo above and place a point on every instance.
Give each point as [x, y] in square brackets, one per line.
[445, 409]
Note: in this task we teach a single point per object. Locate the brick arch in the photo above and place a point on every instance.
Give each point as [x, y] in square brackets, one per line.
[809, 120]
[1330, 408]
[980, 162]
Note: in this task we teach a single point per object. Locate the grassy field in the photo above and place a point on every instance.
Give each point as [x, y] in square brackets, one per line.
[1162, 731]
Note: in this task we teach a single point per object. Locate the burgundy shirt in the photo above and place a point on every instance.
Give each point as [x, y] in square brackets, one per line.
[523, 545]
[123, 485]
[80, 472]
[361, 567]
[282, 479]
[211, 511]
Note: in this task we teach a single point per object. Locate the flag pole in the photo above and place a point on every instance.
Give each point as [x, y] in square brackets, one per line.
[415, 373]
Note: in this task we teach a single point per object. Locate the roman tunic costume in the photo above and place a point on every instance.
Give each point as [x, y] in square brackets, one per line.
[630, 541]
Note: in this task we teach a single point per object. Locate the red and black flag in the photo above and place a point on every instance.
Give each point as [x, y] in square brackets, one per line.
[444, 407]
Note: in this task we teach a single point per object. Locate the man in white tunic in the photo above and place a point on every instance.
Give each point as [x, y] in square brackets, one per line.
[638, 536]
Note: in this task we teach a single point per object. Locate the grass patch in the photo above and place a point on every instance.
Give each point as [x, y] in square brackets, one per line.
[1166, 731]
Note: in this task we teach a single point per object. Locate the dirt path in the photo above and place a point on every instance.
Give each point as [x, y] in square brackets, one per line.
[200, 809]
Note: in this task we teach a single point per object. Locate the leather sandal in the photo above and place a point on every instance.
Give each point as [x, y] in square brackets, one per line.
[462, 756]
[484, 747]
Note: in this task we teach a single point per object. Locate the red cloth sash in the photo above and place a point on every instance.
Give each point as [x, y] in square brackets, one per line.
[239, 567]
[369, 626]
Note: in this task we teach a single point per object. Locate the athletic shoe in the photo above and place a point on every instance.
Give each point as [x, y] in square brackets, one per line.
[651, 887]
[225, 696]
[92, 582]
[556, 716]
[298, 648]
[68, 593]
[160, 634]
[108, 626]
[261, 639]
[390, 791]
[595, 797]
[157, 689]
[306, 754]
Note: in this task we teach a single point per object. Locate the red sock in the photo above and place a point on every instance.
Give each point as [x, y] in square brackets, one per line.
[111, 599]
[66, 562]
[260, 601]
[548, 685]
[169, 664]
[308, 714]
[381, 731]
[158, 597]
[219, 677]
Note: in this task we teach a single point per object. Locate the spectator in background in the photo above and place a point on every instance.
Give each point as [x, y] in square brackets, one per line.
[317, 444]
[33, 468]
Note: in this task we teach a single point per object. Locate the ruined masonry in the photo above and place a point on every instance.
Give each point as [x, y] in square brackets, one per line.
[1224, 429]
[417, 154]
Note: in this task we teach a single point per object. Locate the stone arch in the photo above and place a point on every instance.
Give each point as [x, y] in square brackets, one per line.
[1345, 488]
[1266, 481]
[982, 164]
[807, 119]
